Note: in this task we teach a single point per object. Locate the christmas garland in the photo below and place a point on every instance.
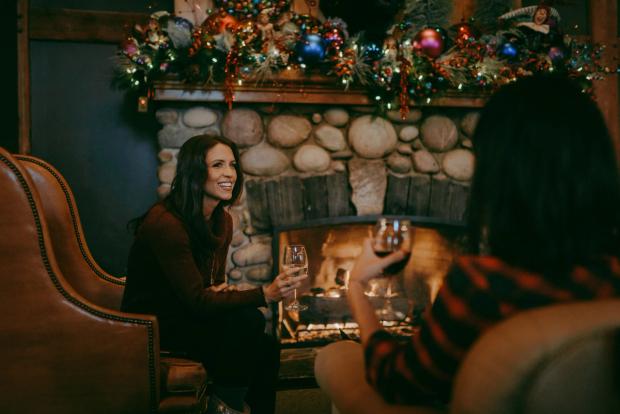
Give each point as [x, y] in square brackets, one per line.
[251, 41]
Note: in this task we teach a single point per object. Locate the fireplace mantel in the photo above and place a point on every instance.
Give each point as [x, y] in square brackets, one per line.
[295, 89]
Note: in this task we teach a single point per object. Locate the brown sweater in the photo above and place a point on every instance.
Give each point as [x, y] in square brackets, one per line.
[163, 277]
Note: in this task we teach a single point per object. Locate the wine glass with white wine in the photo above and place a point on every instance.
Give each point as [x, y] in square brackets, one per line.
[295, 257]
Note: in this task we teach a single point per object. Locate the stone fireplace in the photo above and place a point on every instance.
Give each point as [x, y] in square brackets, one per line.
[305, 163]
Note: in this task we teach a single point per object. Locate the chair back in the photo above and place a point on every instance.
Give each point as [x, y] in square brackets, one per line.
[70, 247]
[62, 353]
[562, 358]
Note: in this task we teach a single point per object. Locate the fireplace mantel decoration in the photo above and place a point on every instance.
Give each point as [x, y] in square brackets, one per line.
[234, 46]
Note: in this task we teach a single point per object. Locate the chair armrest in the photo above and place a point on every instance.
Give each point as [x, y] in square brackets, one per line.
[339, 371]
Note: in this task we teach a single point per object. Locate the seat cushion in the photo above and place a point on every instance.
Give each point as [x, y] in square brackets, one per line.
[182, 376]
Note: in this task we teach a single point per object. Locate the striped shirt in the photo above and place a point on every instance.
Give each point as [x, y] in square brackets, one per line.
[477, 293]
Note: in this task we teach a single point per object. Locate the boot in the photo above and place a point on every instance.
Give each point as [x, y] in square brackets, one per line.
[217, 406]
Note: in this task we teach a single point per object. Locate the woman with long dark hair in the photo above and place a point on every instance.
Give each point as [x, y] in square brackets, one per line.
[544, 228]
[176, 271]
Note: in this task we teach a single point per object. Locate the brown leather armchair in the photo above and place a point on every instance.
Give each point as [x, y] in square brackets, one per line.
[66, 348]
[558, 359]
[67, 236]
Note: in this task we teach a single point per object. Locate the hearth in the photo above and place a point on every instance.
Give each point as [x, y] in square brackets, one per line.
[332, 245]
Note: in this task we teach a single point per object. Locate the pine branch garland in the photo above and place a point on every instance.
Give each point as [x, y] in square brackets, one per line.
[393, 75]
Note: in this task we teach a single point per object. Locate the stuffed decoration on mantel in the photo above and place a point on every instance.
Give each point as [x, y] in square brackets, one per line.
[195, 11]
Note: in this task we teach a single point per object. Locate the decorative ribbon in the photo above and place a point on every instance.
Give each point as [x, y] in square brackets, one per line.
[405, 68]
[232, 73]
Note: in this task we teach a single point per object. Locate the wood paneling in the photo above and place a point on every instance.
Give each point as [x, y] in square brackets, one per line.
[257, 204]
[604, 24]
[448, 200]
[396, 195]
[419, 195]
[82, 25]
[285, 200]
[23, 77]
[315, 197]
[339, 195]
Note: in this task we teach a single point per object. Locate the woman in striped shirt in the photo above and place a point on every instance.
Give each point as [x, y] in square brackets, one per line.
[544, 223]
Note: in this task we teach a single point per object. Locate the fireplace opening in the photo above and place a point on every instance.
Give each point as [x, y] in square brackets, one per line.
[332, 245]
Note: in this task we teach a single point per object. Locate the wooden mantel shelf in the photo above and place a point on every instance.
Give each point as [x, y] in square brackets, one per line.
[293, 90]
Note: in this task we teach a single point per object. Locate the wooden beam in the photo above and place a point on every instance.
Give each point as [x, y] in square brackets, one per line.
[462, 10]
[23, 78]
[315, 90]
[82, 25]
[604, 24]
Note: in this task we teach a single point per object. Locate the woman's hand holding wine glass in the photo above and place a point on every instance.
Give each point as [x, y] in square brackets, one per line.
[368, 266]
[391, 245]
[295, 260]
[284, 285]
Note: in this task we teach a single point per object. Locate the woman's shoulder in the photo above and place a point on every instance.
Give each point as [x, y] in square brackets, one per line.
[473, 263]
[481, 270]
[160, 218]
[223, 217]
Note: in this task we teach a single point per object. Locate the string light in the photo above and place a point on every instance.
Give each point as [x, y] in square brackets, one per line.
[472, 65]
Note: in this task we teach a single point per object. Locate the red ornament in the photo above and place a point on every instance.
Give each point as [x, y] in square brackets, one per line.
[228, 22]
[218, 22]
[429, 41]
[464, 32]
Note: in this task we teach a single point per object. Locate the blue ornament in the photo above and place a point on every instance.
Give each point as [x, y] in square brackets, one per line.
[310, 49]
[556, 54]
[508, 50]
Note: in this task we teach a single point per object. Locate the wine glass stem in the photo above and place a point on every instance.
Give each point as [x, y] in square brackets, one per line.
[388, 293]
[295, 295]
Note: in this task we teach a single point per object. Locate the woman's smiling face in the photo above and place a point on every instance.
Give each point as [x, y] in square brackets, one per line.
[221, 173]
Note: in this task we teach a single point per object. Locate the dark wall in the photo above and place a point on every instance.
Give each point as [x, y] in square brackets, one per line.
[93, 135]
[8, 115]
[106, 151]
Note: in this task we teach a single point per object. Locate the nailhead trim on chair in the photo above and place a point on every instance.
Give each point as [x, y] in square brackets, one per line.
[73, 219]
[52, 275]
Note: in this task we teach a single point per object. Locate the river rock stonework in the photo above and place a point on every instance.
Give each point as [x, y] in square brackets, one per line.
[244, 127]
[314, 162]
[372, 137]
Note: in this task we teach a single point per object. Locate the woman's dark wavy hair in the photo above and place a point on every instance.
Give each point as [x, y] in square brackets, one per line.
[187, 189]
[546, 190]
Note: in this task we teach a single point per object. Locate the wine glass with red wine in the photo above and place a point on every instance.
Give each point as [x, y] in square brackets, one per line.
[391, 235]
